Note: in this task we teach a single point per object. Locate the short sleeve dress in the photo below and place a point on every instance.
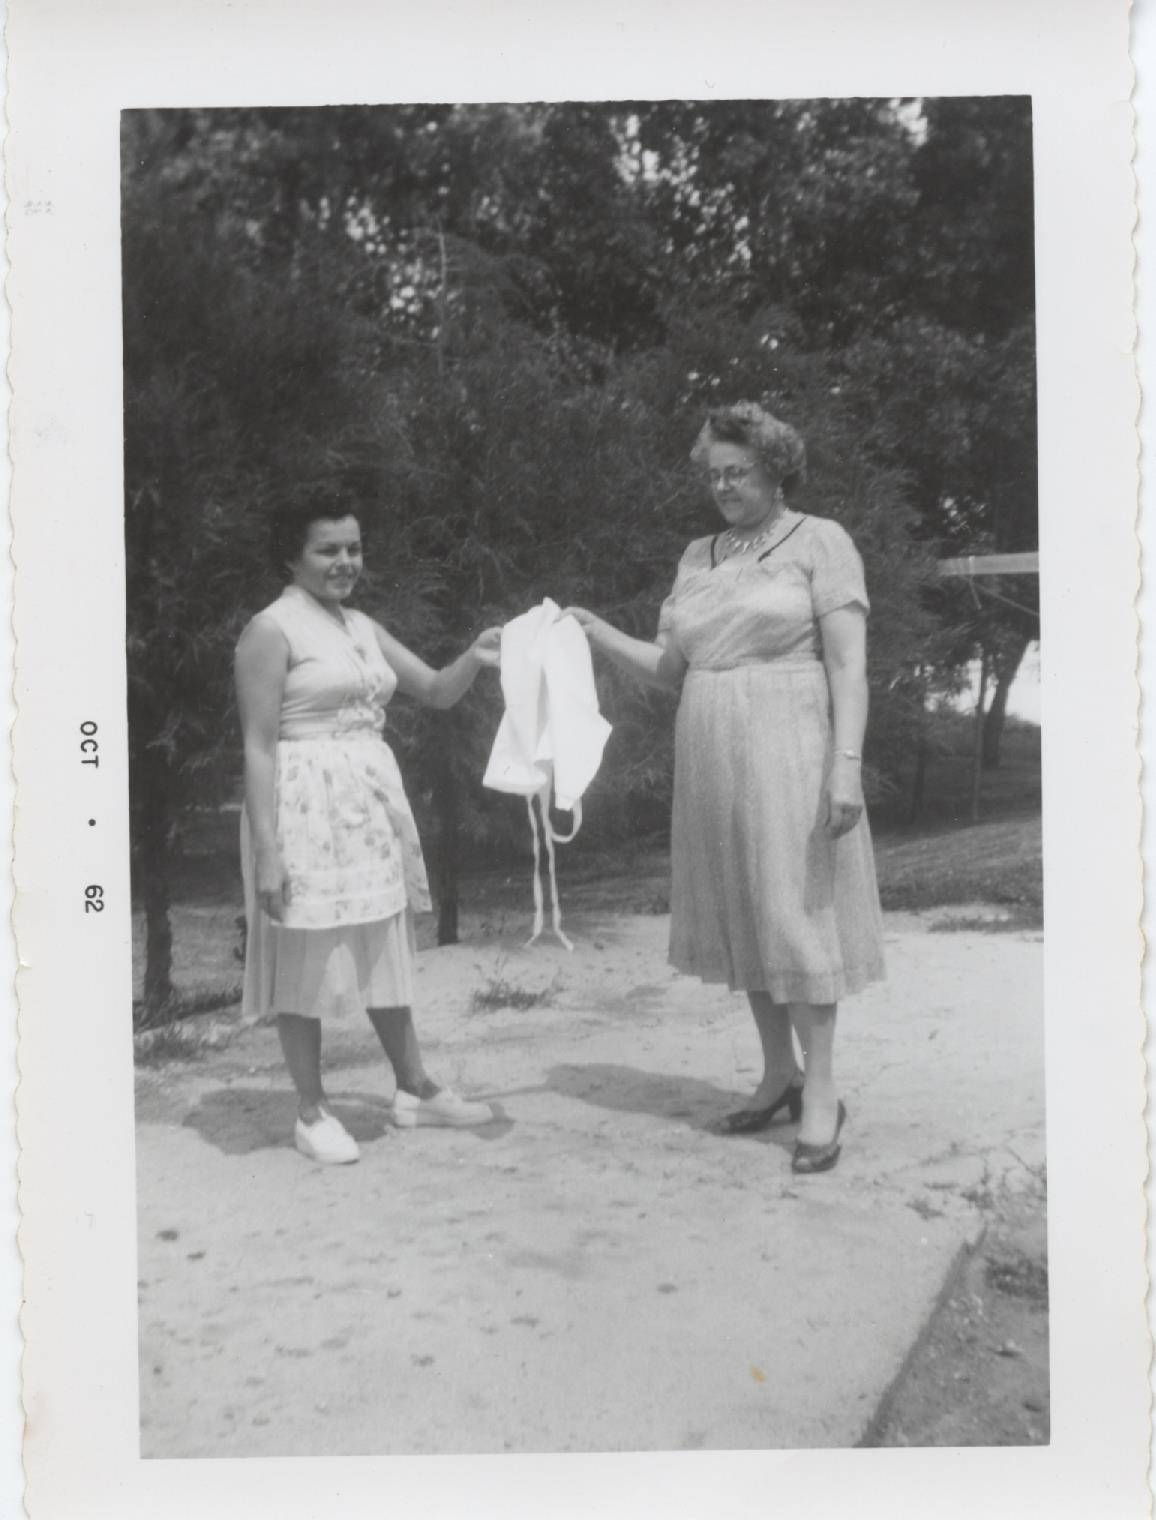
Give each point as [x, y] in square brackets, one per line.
[344, 829]
[761, 898]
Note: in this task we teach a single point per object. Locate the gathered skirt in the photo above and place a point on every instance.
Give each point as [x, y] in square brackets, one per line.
[761, 899]
[335, 975]
[356, 876]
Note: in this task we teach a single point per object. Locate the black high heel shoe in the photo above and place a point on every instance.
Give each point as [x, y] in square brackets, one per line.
[749, 1121]
[819, 1158]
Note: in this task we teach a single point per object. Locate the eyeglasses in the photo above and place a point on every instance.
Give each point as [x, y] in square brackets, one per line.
[733, 475]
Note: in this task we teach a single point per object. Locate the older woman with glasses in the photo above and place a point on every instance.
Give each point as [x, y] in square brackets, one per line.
[774, 887]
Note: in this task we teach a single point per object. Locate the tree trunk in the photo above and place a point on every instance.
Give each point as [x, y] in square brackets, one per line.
[919, 780]
[447, 807]
[1006, 672]
[154, 859]
[977, 762]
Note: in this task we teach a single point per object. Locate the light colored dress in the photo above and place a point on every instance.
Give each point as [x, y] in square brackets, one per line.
[344, 829]
[761, 899]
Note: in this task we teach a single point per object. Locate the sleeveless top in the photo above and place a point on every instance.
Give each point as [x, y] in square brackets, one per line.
[344, 826]
[338, 681]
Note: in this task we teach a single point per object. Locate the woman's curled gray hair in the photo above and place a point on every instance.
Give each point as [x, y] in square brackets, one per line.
[777, 446]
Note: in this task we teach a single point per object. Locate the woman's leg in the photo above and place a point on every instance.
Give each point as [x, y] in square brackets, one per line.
[815, 1025]
[773, 1022]
[418, 1100]
[301, 1045]
[395, 1029]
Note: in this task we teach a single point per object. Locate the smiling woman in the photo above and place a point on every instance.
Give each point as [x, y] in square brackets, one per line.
[330, 561]
[319, 542]
[331, 859]
[773, 887]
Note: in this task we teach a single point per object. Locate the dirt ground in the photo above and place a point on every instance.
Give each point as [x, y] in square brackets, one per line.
[597, 1269]
[979, 1374]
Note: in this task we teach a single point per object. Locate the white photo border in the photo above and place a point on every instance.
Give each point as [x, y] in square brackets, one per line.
[73, 67]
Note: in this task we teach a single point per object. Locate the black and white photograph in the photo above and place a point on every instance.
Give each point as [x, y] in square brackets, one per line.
[583, 642]
[577, 812]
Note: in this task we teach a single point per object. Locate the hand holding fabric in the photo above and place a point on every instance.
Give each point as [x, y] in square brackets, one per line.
[487, 648]
[590, 623]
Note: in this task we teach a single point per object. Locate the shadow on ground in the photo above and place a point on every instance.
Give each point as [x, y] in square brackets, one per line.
[240, 1120]
[626, 1089]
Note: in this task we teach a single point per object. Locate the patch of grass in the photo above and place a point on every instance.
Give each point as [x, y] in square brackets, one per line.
[1018, 1275]
[500, 992]
[656, 903]
[982, 1195]
[992, 1195]
[997, 862]
[184, 1041]
[186, 1003]
[1018, 918]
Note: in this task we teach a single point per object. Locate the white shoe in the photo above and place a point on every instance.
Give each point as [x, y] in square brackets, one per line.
[445, 1109]
[326, 1140]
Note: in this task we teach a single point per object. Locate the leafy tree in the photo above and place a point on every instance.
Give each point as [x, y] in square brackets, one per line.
[499, 327]
[236, 389]
[898, 236]
[976, 242]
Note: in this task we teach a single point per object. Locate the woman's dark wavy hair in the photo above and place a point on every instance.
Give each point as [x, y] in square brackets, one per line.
[777, 446]
[289, 524]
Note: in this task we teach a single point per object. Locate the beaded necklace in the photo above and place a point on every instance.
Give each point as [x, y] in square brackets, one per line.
[733, 543]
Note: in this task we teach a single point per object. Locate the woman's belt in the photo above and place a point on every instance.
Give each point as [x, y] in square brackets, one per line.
[332, 727]
[792, 666]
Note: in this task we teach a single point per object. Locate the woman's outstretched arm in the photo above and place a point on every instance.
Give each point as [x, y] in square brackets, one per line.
[657, 664]
[439, 688]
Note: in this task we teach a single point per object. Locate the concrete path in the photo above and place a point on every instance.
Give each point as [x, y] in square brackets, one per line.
[594, 1271]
